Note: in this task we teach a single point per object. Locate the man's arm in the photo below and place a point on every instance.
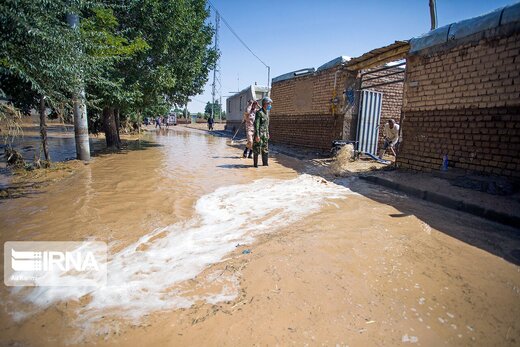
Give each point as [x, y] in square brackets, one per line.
[257, 125]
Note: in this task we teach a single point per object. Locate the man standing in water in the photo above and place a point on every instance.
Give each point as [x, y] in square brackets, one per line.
[249, 120]
[262, 132]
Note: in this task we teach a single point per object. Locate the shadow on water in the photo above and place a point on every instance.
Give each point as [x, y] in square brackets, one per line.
[236, 166]
[126, 147]
[19, 190]
[226, 157]
[500, 240]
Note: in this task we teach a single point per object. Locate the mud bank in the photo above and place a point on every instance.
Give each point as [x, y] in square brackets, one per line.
[328, 262]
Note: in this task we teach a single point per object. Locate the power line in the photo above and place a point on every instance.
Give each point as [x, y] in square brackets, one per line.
[236, 35]
[197, 100]
[216, 69]
[242, 41]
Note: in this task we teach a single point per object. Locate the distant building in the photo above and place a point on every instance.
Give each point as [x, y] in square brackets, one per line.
[236, 104]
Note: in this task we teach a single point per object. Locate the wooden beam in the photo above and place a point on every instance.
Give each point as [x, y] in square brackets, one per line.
[379, 59]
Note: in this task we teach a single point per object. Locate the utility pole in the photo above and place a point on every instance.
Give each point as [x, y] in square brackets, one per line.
[79, 107]
[220, 112]
[214, 86]
[433, 14]
[268, 80]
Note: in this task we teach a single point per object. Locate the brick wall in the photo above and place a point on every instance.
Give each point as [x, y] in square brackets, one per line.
[464, 100]
[301, 114]
[392, 96]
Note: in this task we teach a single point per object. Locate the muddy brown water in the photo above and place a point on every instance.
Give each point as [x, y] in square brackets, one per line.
[332, 262]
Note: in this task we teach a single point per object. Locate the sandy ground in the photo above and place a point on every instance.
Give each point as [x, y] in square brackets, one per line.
[369, 267]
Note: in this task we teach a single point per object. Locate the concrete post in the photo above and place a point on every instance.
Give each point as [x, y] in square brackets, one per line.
[80, 109]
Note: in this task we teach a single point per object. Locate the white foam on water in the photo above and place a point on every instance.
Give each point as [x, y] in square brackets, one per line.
[142, 278]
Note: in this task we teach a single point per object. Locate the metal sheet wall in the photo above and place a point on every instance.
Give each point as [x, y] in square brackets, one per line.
[368, 121]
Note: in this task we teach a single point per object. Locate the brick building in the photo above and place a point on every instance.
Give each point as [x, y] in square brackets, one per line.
[302, 112]
[311, 108]
[462, 96]
[236, 105]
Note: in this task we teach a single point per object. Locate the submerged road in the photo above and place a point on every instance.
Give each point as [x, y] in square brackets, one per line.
[204, 249]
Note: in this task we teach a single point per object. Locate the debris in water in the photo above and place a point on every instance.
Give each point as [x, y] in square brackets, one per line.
[341, 162]
[411, 339]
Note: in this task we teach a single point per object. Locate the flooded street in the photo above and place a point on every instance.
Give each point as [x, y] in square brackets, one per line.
[327, 262]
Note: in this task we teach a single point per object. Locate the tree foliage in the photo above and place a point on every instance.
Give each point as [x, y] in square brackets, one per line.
[217, 108]
[179, 58]
[138, 56]
[36, 48]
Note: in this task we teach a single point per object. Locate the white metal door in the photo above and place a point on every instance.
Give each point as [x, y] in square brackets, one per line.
[368, 121]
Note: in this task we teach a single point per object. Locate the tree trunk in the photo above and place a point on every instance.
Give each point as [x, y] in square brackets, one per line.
[43, 130]
[110, 128]
[139, 122]
[118, 123]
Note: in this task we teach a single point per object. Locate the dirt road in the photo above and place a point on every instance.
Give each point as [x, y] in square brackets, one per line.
[207, 250]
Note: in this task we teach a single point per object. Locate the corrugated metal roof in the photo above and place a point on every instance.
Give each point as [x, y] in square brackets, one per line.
[250, 88]
[382, 55]
[334, 62]
[457, 31]
[293, 74]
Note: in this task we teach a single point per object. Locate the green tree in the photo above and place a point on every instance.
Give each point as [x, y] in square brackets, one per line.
[135, 58]
[36, 63]
[217, 109]
[106, 46]
[179, 57]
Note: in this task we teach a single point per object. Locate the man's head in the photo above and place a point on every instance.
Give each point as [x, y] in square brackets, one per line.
[266, 103]
[391, 123]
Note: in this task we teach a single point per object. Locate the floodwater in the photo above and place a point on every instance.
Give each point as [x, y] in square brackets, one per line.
[332, 262]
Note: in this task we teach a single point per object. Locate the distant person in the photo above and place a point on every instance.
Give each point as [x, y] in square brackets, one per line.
[261, 126]
[210, 123]
[158, 122]
[391, 135]
[249, 120]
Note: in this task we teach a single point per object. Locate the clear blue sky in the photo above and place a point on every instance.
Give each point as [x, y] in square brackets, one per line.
[289, 35]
